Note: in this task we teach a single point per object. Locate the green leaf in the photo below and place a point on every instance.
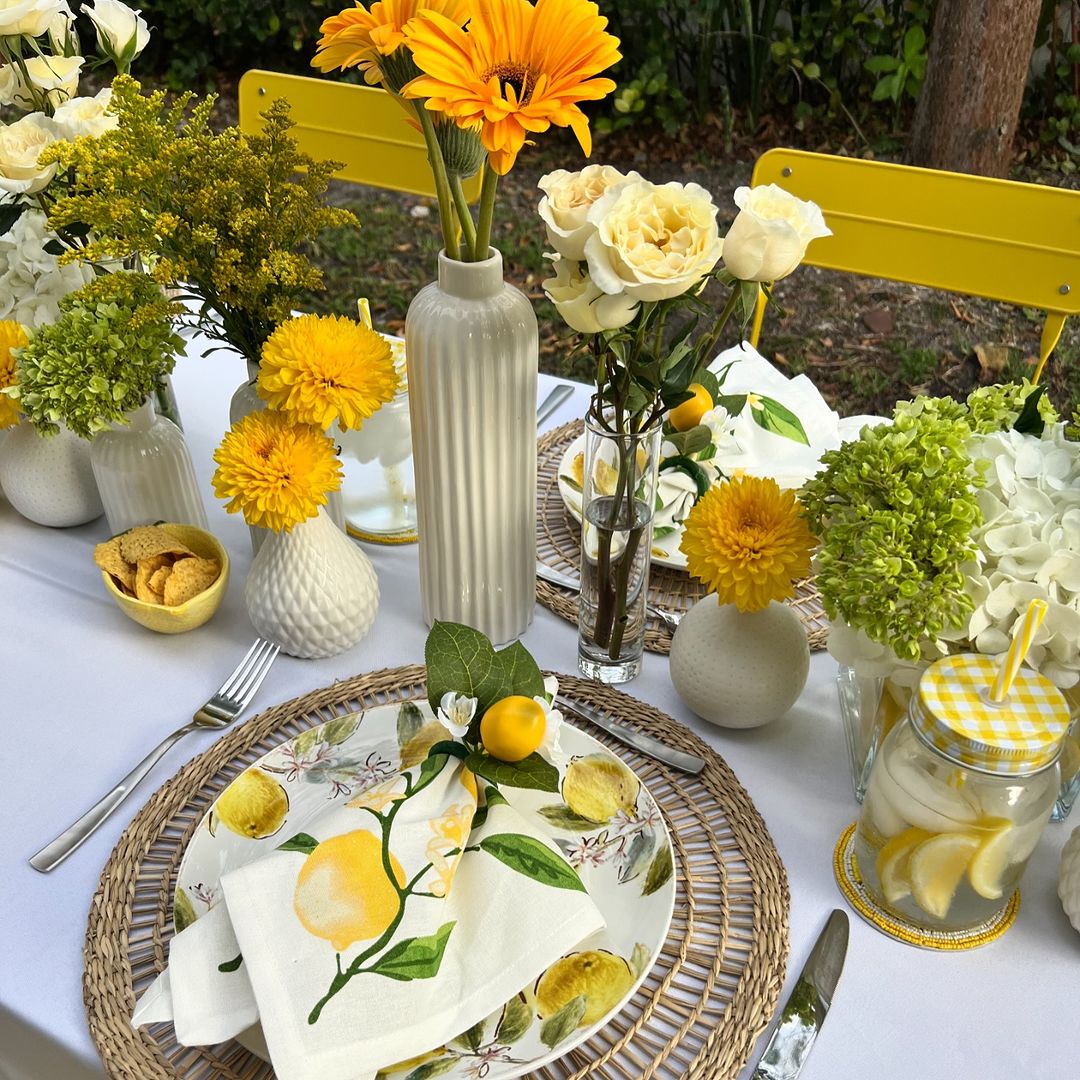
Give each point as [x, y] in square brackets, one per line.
[522, 673]
[639, 960]
[438, 1067]
[637, 855]
[11, 213]
[562, 817]
[1030, 421]
[473, 1038]
[663, 531]
[563, 1023]
[748, 298]
[409, 721]
[690, 442]
[532, 772]
[570, 482]
[777, 418]
[183, 913]
[306, 742]
[300, 842]
[414, 958]
[516, 1019]
[878, 65]
[660, 870]
[463, 660]
[733, 403]
[535, 860]
[231, 965]
[337, 731]
[914, 42]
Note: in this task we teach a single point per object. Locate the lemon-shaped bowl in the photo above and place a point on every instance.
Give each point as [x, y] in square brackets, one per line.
[196, 611]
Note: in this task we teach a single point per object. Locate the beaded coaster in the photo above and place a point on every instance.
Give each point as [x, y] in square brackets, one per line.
[856, 894]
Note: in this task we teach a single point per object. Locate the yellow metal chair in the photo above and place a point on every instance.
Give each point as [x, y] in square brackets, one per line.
[363, 126]
[998, 239]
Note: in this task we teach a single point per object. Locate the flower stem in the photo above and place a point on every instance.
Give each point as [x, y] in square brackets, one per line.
[442, 182]
[487, 212]
[468, 229]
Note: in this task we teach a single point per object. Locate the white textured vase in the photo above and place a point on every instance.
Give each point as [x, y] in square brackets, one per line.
[471, 345]
[1069, 878]
[739, 669]
[312, 590]
[49, 480]
[144, 472]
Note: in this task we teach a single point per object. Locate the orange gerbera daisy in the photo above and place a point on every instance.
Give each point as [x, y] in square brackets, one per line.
[359, 37]
[518, 69]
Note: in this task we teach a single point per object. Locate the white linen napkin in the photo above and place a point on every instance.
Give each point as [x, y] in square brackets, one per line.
[476, 926]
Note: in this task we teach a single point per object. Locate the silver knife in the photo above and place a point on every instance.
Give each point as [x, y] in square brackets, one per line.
[654, 748]
[556, 577]
[804, 1013]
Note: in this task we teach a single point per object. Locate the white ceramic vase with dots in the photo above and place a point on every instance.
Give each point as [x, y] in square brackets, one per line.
[49, 480]
[312, 590]
[1069, 878]
[739, 669]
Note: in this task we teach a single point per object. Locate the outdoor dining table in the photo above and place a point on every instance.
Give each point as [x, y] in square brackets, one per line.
[85, 692]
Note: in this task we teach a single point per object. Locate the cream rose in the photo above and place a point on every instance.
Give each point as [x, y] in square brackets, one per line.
[86, 116]
[121, 33]
[9, 84]
[56, 78]
[652, 241]
[583, 306]
[27, 18]
[769, 236]
[568, 196]
[61, 32]
[21, 144]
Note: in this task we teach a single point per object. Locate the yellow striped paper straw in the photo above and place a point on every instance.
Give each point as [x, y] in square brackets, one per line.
[363, 309]
[1021, 642]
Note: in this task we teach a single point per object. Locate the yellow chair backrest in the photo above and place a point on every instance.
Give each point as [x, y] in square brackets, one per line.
[363, 126]
[1002, 240]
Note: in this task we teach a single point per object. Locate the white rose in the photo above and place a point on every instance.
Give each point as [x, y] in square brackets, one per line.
[54, 77]
[121, 33]
[583, 306]
[27, 18]
[61, 31]
[86, 116]
[21, 144]
[652, 241]
[770, 234]
[9, 84]
[566, 202]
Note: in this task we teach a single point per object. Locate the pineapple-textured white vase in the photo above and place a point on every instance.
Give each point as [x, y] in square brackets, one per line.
[1069, 878]
[144, 472]
[49, 480]
[471, 348]
[312, 590]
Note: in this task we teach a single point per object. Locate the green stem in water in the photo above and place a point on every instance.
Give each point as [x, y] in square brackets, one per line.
[487, 212]
[468, 229]
[442, 182]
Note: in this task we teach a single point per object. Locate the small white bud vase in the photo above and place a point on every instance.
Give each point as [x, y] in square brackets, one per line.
[144, 472]
[471, 346]
[49, 480]
[312, 590]
[1069, 878]
[739, 669]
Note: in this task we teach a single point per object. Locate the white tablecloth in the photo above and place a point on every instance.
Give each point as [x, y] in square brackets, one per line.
[84, 693]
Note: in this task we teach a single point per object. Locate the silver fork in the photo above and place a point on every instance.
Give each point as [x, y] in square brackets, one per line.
[231, 699]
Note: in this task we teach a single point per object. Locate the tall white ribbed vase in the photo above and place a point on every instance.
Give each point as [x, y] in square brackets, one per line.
[471, 344]
[144, 473]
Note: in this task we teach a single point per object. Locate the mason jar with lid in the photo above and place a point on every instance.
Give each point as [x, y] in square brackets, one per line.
[959, 794]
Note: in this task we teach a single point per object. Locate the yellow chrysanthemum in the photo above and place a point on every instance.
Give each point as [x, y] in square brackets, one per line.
[747, 541]
[516, 70]
[357, 37]
[12, 336]
[319, 369]
[275, 472]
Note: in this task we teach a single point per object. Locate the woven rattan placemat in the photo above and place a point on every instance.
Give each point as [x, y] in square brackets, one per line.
[558, 545]
[697, 1015]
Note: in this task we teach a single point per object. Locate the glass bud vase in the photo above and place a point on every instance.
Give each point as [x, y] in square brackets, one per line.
[144, 472]
[618, 503]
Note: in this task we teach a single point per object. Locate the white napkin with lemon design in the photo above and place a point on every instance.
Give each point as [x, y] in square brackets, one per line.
[383, 931]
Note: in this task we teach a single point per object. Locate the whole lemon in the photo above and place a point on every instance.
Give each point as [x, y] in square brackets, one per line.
[597, 787]
[342, 892]
[253, 805]
[688, 415]
[601, 976]
[513, 727]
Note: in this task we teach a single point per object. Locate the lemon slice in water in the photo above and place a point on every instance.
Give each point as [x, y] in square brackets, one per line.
[988, 865]
[936, 867]
[892, 863]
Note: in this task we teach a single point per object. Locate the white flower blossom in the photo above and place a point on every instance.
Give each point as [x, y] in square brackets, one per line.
[456, 712]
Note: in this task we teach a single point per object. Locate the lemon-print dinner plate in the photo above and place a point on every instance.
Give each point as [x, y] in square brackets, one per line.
[603, 818]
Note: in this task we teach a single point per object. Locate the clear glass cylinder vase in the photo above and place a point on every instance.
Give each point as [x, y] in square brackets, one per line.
[618, 504]
[144, 473]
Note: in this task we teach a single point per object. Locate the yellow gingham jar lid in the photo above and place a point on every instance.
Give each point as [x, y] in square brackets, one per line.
[953, 713]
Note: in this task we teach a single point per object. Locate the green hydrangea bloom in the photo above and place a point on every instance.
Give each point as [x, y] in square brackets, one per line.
[998, 407]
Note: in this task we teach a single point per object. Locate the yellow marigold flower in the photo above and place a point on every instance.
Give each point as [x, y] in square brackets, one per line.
[747, 541]
[516, 70]
[322, 368]
[12, 336]
[357, 37]
[275, 472]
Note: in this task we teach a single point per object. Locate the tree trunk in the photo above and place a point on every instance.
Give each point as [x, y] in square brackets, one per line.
[969, 105]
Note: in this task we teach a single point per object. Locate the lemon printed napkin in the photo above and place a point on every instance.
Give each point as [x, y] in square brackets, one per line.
[391, 925]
